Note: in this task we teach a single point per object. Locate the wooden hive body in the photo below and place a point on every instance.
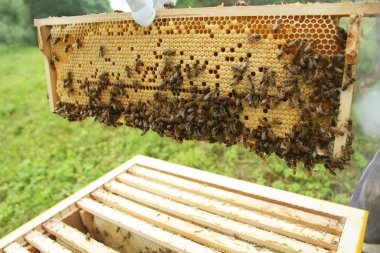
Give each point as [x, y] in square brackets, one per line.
[156, 206]
[218, 86]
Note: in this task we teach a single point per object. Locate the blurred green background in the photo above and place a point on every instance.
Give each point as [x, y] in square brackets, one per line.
[44, 158]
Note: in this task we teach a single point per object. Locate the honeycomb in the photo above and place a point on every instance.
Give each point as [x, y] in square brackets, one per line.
[206, 51]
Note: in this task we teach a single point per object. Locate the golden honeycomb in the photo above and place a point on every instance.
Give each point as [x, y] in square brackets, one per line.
[217, 43]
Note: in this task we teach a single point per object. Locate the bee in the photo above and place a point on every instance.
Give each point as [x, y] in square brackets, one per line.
[299, 51]
[241, 3]
[310, 47]
[295, 42]
[276, 25]
[292, 70]
[188, 72]
[136, 85]
[291, 102]
[67, 48]
[101, 51]
[346, 152]
[264, 122]
[52, 64]
[348, 125]
[336, 131]
[198, 69]
[235, 68]
[338, 70]
[169, 52]
[77, 43]
[127, 236]
[341, 38]
[104, 77]
[54, 57]
[250, 82]
[138, 65]
[236, 80]
[56, 40]
[277, 121]
[128, 71]
[272, 78]
[254, 37]
[88, 236]
[66, 38]
[169, 6]
[350, 138]
[48, 37]
[319, 111]
[281, 52]
[280, 93]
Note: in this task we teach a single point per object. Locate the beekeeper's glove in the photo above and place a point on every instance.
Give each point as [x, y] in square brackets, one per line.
[144, 11]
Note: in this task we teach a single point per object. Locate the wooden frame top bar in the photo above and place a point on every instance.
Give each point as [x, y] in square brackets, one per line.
[335, 9]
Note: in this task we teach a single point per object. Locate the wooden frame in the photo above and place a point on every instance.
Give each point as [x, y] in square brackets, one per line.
[352, 221]
[358, 10]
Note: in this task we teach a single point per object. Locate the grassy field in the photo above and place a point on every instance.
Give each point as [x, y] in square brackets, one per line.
[44, 158]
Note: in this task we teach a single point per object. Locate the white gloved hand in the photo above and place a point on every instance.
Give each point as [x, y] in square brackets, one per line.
[144, 11]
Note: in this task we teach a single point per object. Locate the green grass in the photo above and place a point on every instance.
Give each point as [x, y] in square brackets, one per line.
[44, 158]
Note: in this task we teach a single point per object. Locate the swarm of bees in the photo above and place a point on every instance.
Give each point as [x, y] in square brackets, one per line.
[207, 114]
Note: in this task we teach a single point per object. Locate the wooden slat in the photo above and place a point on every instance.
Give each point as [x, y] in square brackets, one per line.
[336, 9]
[74, 238]
[44, 244]
[256, 219]
[284, 212]
[189, 230]
[15, 248]
[309, 204]
[224, 225]
[144, 229]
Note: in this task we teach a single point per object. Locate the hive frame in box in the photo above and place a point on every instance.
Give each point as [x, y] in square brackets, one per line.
[354, 10]
[353, 220]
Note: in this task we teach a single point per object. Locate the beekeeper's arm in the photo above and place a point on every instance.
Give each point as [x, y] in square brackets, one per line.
[144, 11]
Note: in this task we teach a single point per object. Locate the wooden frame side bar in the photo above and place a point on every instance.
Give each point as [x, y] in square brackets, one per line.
[351, 58]
[335, 9]
[51, 74]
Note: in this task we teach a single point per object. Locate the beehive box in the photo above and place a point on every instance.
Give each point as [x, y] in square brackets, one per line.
[276, 78]
[148, 205]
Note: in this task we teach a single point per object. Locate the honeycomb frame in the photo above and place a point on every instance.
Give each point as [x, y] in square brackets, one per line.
[215, 38]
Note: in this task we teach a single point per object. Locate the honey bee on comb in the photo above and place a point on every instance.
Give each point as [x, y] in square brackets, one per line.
[101, 51]
[276, 25]
[229, 84]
